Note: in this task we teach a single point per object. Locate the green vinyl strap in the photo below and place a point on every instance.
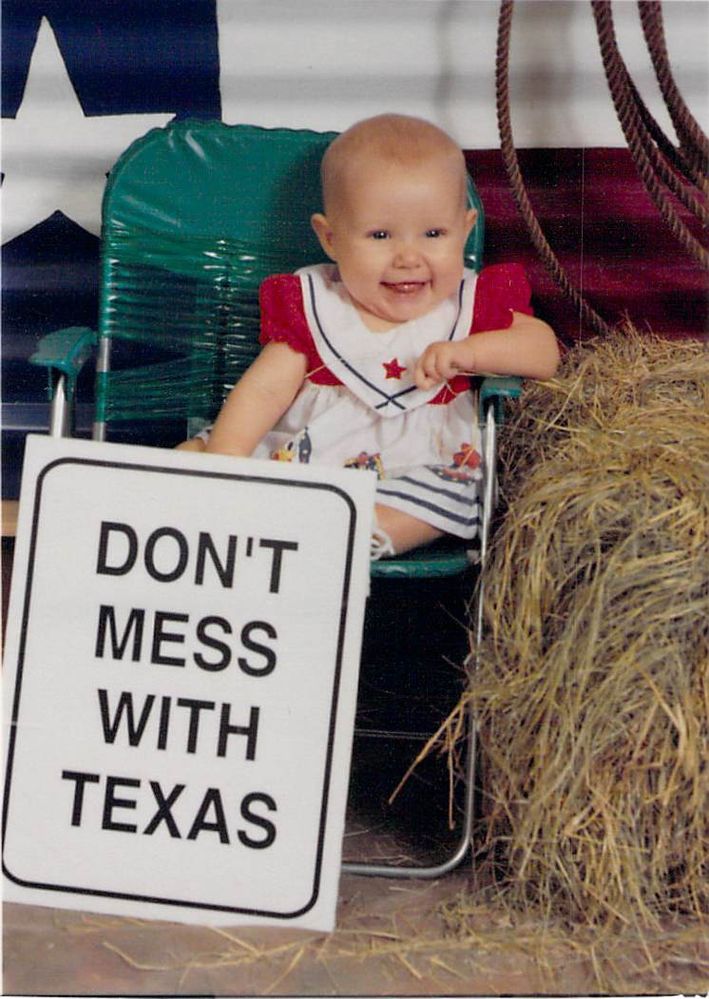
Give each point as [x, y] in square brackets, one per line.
[435, 561]
[196, 300]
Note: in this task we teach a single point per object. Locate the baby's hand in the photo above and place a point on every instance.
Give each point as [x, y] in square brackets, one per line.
[440, 362]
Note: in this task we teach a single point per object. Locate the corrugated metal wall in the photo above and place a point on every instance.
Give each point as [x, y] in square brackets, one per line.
[323, 64]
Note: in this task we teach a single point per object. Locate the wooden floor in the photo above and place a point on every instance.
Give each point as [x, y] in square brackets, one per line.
[391, 940]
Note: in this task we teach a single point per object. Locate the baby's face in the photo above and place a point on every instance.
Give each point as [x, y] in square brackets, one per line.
[397, 234]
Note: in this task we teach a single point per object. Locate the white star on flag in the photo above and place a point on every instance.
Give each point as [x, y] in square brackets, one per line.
[54, 157]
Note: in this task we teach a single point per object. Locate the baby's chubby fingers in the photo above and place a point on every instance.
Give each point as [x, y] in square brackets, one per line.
[437, 364]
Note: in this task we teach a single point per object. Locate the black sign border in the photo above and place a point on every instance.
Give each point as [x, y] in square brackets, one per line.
[235, 477]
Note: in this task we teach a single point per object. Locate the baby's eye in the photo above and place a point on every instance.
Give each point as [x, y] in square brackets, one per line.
[379, 234]
[435, 233]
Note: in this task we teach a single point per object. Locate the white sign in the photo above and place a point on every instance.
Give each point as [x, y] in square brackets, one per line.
[181, 673]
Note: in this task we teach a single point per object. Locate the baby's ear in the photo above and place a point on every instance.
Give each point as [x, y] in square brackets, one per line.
[323, 230]
[470, 217]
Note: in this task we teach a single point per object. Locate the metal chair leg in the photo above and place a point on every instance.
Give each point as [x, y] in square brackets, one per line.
[464, 841]
[60, 412]
[463, 844]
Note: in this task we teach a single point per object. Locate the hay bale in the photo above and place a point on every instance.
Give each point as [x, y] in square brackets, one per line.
[592, 691]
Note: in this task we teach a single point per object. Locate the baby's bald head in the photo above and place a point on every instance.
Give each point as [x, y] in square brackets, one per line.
[389, 139]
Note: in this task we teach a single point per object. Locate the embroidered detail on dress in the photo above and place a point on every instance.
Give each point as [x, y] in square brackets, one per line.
[393, 369]
[463, 467]
[300, 449]
[370, 462]
[468, 456]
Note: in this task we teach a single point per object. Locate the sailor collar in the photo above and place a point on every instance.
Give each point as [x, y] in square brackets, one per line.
[379, 367]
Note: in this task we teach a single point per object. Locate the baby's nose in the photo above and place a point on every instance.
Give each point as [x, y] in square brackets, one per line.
[406, 255]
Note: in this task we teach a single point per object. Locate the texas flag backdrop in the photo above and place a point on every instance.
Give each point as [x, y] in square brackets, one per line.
[81, 81]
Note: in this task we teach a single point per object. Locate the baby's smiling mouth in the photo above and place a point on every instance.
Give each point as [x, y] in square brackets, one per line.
[404, 287]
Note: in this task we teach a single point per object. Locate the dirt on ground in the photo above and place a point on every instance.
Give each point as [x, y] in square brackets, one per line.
[393, 938]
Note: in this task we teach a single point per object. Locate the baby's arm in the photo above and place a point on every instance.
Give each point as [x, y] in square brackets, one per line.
[258, 400]
[527, 348]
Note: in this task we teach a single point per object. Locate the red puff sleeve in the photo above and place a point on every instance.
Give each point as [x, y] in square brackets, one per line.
[282, 316]
[283, 321]
[501, 290]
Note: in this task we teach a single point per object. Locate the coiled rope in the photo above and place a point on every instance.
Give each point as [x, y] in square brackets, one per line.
[617, 77]
[655, 157]
[694, 145]
[511, 161]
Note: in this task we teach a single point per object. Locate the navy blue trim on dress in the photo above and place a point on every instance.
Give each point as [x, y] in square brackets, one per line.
[387, 398]
[458, 497]
[446, 514]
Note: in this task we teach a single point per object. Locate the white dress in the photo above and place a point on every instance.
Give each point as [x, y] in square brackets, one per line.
[426, 454]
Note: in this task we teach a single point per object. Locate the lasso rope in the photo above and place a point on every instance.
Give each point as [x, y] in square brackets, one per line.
[509, 155]
[652, 152]
[694, 143]
[617, 76]
[667, 161]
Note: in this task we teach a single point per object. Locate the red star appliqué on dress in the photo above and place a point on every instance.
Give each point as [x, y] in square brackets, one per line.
[393, 368]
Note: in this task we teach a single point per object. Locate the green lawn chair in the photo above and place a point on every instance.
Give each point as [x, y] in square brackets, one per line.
[195, 216]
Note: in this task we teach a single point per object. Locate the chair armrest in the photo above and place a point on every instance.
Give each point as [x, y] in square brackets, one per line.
[495, 389]
[66, 351]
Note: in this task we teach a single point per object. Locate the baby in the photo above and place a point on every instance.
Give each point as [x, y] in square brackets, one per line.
[365, 360]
